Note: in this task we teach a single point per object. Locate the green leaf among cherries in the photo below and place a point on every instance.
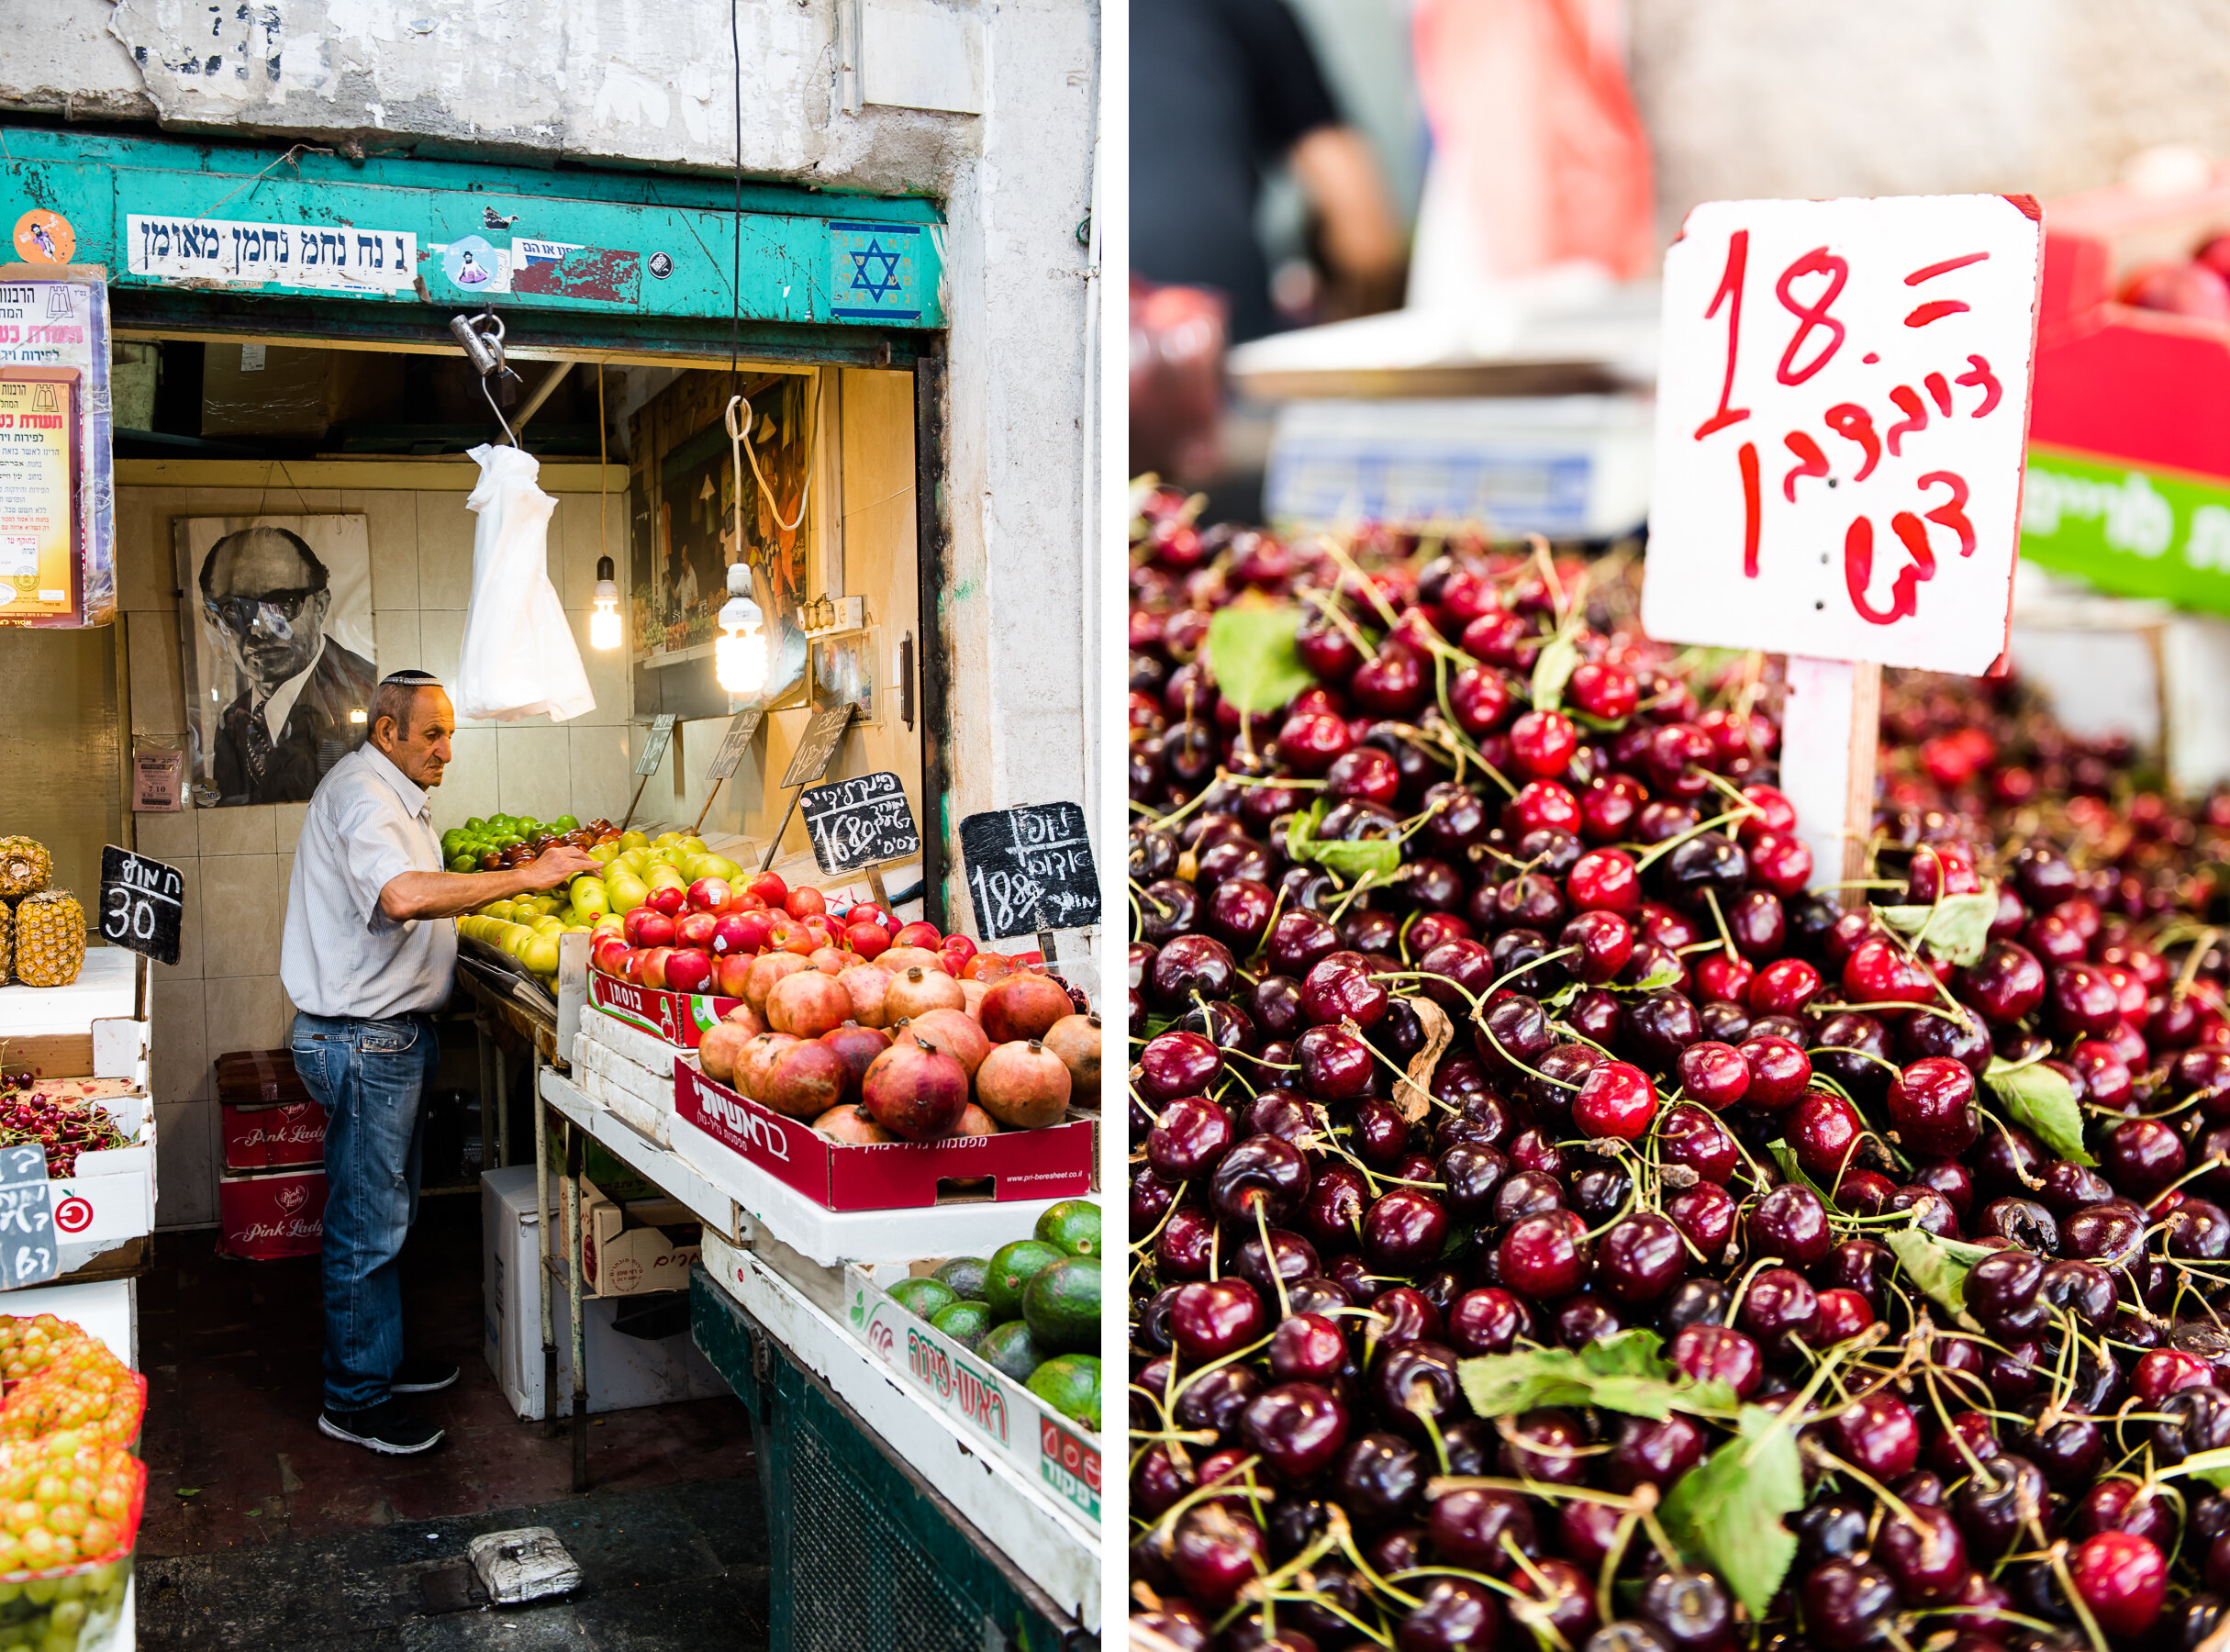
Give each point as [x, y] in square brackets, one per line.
[2042, 1101]
[1626, 1373]
[1956, 929]
[1374, 859]
[1559, 659]
[1939, 1266]
[1252, 650]
[1726, 1512]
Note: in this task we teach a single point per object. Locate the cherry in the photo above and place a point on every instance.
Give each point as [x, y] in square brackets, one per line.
[2164, 1370]
[1404, 1230]
[1548, 1446]
[1336, 1065]
[1178, 1064]
[1307, 1348]
[1189, 1137]
[1214, 1551]
[1641, 1258]
[1557, 1594]
[1615, 1100]
[1654, 1453]
[1404, 1313]
[1339, 987]
[1713, 1353]
[1468, 1529]
[1932, 1104]
[1261, 1173]
[1843, 1315]
[2122, 1579]
[1715, 1074]
[1542, 744]
[1239, 913]
[1296, 941]
[1605, 880]
[1415, 1380]
[1709, 863]
[1486, 1322]
[1605, 941]
[1878, 1433]
[1925, 1553]
[1211, 1318]
[1544, 1256]
[1823, 1130]
[1297, 1428]
[1779, 1071]
[2127, 1505]
[1780, 1308]
[1690, 1609]
[1705, 1213]
[1784, 986]
[1847, 1604]
[1691, 1137]
[1375, 1478]
[1789, 1222]
[1452, 1614]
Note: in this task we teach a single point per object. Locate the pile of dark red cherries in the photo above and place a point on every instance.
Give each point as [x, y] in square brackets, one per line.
[1680, 1093]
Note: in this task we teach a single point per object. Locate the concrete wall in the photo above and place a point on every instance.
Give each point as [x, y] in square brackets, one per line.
[633, 82]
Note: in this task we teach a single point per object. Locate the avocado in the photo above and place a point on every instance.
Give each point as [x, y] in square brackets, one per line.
[1011, 1350]
[1070, 1384]
[1073, 1225]
[964, 1322]
[1012, 1268]
[924, 1298]
[965, 1275]
[1062, 1305]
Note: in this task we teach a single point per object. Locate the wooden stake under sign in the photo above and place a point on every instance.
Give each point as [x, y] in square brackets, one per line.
[725, 760]
[654, 753]
[1830, 734]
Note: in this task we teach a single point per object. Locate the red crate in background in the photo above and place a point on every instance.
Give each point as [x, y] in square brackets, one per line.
[248, 1077]
[273, 1137]
[279, 1213]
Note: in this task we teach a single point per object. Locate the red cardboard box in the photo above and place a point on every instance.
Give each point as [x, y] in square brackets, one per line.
[273, 1137]
[278, 1214]
[249, 1078]
[679, 1018]
[1060, 1161]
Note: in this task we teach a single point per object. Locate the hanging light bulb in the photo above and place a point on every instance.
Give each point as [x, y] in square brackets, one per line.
[738, 656]
[604, 617]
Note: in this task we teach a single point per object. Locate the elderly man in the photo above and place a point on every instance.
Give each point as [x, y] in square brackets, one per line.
[368, 951]
[306, 699]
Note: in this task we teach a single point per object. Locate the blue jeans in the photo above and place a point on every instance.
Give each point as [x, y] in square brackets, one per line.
[370, 1077]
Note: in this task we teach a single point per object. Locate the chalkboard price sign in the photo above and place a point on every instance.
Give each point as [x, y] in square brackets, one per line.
[142, 904]
[1030, 869]
[817, 745]
[655, 750]
[732, 748]
[860, 822]
[29, 1248]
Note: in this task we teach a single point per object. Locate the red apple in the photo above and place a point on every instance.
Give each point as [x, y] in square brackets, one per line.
[743, 900]
[710, 894]
[957, 950]
[651, 964]
[727, 972]
[868, 912]
[757, 927]
[768, 886]
[610, 954]
[2184, 289]
[667, 898]
[646, 926]
[869, 940]
[727, 934]
[687, 969]
[786, 934]
[919, 934]
[2215, 255]
[805, 901]
[696, 929]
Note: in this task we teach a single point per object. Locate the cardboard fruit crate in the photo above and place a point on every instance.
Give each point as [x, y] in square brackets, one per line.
[679, 1018]
[275, 1213]
[1060, 1454]
[1058, 1161]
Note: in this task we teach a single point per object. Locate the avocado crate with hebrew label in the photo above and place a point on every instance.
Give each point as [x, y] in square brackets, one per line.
[1054, 1161]
[1057, 1451]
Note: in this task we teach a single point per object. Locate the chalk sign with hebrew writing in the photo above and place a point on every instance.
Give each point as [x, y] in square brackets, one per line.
[817, 745]
[29, 1249]
[732, 747]
[1030, 869]
[860, 822]
[142, 904]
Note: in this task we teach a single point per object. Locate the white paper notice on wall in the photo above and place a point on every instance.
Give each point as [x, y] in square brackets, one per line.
[1842, 419]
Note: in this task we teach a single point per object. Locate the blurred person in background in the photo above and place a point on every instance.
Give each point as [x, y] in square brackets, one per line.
[1222, 92]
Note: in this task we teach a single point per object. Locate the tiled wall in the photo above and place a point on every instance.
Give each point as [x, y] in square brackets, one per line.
[224, 992]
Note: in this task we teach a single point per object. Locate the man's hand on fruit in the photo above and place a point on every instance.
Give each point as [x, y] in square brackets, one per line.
[559, 864]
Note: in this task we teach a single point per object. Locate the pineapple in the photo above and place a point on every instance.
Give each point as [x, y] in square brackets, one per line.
[49, 938]
[7, 924]
[25, 866]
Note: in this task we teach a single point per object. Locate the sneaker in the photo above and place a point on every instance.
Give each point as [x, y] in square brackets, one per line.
[423, 1377]
[385, 1428]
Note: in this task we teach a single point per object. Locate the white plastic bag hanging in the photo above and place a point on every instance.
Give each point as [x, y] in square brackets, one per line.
[519, 656]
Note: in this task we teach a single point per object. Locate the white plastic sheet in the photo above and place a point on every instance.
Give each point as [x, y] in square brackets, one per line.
[519, 656]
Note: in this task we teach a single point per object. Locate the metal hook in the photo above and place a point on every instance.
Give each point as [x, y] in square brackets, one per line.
[500, 420]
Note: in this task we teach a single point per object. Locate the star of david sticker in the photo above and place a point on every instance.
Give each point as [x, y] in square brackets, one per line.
[875, 286]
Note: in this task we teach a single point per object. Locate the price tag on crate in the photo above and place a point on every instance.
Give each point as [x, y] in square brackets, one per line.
[860, 822]
[142, 904]
[29, 1248]
[1843, 398]
[1843, 403]
[1030, 869]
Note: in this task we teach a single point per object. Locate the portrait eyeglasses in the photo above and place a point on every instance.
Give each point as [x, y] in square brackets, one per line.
[241, 613]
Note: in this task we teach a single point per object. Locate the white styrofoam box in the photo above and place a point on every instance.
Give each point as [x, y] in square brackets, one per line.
[646, 1050]
[120, 1049]
[651, 1086]
[109, 1309]
[111, 1196]
[1566, 466]
[624, 1371]
[646, 1119]
[106, 988]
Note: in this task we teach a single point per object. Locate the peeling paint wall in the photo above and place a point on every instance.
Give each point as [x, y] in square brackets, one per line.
[636, 82]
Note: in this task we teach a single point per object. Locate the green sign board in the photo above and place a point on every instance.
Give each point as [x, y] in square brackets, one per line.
[163, 214]
[2127, 529]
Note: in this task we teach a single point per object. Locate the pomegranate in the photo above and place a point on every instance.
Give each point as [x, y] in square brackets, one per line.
[766, 970]
[850, 1124]
[1024, 1005]
[900, 959]
[1076, 1040]
[954, 1032]
[807, 1004]
[717, 1050]
[914, 1091]
[975, 1122]
[1023, 1083]
[830, 960]
[745, 1017]
[971, 998]
[805, 1081]
[756, 1062]
[868, 984]
[859, 1047]
[917, 992]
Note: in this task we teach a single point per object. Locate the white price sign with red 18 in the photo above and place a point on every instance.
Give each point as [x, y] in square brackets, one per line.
[1842, 418]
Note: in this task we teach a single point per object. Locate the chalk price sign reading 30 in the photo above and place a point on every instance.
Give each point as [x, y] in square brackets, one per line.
[1842, 418]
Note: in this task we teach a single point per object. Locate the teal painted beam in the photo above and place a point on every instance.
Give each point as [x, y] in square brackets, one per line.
[182, 217]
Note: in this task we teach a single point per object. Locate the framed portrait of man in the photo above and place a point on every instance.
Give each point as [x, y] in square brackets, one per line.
[277, 617]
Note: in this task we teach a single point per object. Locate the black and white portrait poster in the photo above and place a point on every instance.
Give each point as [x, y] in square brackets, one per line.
[276, 617]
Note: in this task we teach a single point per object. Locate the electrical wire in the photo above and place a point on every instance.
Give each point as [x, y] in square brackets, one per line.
[735, 275]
